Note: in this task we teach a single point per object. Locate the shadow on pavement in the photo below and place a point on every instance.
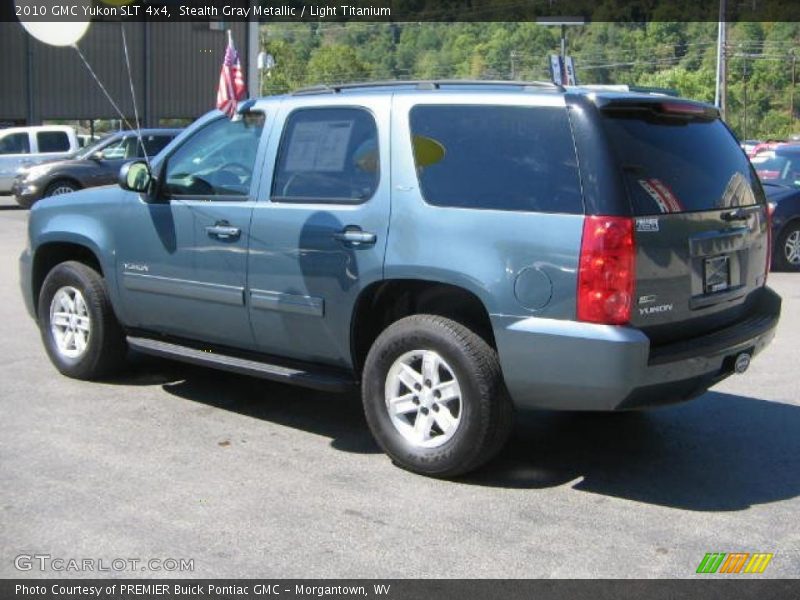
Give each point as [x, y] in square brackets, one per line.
[336, 416]
[721, 452]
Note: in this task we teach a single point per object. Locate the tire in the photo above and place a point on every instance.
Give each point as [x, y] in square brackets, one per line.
[60, 186]
[75, 297]
[478, 419]
[787, 250]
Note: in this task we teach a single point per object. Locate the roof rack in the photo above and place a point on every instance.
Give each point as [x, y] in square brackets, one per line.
[426, 85]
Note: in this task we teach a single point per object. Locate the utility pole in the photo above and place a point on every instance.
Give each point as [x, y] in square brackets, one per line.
[744, 56]
[744, 81]
[791, 89]
[513, 58]
[721, 91]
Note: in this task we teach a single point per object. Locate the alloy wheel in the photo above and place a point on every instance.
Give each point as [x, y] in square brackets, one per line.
[423, 398]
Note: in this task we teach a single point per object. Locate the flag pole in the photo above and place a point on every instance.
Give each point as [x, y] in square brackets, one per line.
[230, 37]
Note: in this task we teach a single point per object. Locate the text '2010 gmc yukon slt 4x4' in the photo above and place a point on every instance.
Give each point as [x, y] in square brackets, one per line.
[456, 249]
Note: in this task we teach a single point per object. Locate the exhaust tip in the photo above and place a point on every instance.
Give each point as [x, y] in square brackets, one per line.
[742, 362]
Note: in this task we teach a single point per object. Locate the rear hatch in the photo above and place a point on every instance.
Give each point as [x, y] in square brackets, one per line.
[700, 218]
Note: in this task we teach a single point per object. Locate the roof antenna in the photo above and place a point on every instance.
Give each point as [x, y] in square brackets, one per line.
[133, 96]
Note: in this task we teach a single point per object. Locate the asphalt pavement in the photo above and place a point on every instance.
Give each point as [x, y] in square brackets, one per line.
[248, 478]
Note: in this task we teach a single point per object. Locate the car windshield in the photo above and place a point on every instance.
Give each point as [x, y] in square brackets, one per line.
[87, 151]
[779, 169]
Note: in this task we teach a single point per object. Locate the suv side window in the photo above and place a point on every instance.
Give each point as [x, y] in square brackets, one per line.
[496, 157]
[217, 160]
[327, 155]
[15, 143]
[52, 141]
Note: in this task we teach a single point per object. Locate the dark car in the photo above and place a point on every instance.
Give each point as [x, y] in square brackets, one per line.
[779, 171]
[97, 164]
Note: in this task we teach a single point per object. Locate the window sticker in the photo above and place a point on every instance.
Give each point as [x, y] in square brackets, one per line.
[319, 146]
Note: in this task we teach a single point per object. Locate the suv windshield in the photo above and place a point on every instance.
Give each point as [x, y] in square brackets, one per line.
[675, 163]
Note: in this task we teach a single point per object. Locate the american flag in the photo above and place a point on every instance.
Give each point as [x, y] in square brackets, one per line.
[231, 81]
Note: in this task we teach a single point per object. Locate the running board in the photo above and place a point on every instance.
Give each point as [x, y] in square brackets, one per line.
[319, 379]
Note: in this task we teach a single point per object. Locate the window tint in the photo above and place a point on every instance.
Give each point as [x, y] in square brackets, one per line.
[328, 154]
[52, 141]
[153, 144]
[674, 165]
[217, 160]
[498, 157]
[15, 143]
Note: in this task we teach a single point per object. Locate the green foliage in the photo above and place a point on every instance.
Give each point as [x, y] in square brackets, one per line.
[676, 55]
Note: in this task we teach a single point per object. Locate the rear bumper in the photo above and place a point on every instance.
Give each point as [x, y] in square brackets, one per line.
[580, 366]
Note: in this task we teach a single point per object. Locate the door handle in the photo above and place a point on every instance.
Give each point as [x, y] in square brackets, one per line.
[354, 236]
[738, 214]
[222, 230]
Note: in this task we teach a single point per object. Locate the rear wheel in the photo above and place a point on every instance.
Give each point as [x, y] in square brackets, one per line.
[787, 252]
[79, 329]
[434, 397]
[62, 186]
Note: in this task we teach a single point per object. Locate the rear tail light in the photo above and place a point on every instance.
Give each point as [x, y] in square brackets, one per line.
[771, 206]
[606, 270]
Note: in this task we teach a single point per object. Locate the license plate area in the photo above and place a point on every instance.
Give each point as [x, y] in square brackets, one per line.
[716, 274]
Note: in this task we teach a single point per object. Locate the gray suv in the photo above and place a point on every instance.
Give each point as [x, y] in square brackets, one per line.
[455, 249]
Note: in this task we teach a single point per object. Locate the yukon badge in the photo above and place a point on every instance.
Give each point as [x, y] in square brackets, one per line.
[652, 310]
[135, 267]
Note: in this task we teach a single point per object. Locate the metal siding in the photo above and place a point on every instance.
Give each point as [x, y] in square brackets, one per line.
[13, 97]
[185, 69]
[185, 60]
[66, 90]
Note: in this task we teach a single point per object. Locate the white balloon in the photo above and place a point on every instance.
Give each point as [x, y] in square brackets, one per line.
[56, 34]
[60, 33]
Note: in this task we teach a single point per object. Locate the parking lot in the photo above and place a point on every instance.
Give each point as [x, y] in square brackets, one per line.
[251, 478]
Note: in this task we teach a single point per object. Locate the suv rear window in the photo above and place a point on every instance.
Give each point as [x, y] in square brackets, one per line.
[678, 163]
[496, 157]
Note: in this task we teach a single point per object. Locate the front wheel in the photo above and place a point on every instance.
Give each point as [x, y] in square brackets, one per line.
[434, 397]
[787, 251]
[79, 329]
[62, 186]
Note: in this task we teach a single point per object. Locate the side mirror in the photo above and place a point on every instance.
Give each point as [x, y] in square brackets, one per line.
[98, 155]
[136, 177]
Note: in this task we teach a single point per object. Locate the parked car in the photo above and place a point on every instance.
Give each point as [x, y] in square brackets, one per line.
[765, 147]
[749, 145]
[95, 165]
[456, 249]
[779, 171]
[22, 146]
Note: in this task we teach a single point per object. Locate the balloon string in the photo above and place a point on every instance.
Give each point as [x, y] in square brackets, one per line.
[102, 87]
[133, 95]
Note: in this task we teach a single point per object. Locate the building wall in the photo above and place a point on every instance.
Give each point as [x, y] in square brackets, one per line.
[175, 68]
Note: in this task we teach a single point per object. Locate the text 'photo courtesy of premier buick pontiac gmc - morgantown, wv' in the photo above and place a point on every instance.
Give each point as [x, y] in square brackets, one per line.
[456, 250]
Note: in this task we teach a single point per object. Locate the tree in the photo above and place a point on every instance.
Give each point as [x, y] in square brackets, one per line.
[336, 64]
